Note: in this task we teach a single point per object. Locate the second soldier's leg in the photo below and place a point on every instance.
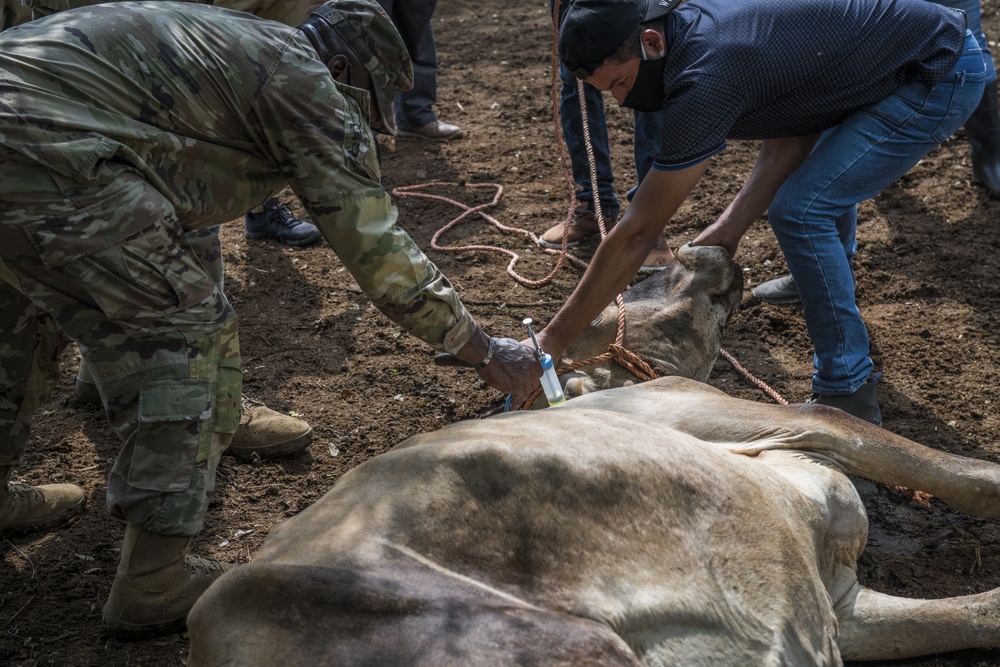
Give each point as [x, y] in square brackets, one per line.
[29, 342]
[162, 343]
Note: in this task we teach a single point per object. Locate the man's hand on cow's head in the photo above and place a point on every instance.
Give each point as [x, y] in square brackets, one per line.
[778, 159]
[514, 369]
[716, 234]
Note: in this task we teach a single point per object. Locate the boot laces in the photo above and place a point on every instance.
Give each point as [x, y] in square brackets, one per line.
[286, 217]
[20, 491]
[585, 218]
[211, 566]
[246, 403]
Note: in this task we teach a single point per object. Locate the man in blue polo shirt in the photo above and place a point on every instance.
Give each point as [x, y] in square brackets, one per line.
[884, 81]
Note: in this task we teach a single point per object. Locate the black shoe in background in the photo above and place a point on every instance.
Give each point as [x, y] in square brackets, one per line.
[277, 222]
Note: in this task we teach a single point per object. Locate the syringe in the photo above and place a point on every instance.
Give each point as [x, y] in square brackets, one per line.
[550, 379]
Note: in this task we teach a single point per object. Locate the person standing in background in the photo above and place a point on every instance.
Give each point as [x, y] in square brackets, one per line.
[415, 116]
[648, 128]
[982, 129]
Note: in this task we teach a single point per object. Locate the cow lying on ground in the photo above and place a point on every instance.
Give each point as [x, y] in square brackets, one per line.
[660, 524]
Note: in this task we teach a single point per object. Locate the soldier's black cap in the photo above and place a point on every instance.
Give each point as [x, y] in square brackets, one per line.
[591, 30]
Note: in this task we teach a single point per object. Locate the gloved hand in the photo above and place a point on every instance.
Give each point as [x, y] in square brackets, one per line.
[513, 368]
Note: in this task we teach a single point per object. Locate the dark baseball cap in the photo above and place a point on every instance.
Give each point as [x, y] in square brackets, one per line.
[591, 30]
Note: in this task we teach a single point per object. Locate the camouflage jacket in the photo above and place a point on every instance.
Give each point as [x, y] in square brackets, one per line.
[218, 109]
[290, 12]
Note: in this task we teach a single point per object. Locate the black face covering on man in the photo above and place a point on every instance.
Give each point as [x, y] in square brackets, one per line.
[647, 92]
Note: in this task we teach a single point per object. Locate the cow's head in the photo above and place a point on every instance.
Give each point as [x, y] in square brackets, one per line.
[674, 320]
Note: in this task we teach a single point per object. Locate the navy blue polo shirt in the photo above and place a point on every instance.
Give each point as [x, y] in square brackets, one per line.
[763, 69]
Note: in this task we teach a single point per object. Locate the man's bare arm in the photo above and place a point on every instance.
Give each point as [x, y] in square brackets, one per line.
[777, 160]
[621, 253]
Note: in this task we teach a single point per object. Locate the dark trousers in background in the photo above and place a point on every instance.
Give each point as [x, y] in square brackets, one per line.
[412, 19]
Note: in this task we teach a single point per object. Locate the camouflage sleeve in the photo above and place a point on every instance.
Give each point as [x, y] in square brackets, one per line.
[289, 12]
[318, 133]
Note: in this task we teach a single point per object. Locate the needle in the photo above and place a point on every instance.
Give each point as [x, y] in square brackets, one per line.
[527, 322]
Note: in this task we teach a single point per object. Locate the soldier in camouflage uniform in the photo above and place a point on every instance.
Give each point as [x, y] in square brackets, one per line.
[289, 12]
[270, 220]
[262, 431]
[123, 127]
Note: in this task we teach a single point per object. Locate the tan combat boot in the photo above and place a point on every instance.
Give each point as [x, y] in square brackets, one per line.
[268, 433]
[156, 584]
[28, 509]
[263, 431]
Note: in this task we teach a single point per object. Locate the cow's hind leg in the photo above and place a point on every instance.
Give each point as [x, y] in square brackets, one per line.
[281, 614]
[858, 448]
[875, 626]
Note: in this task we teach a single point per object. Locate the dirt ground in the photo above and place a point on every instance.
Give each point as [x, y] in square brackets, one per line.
[314, 347]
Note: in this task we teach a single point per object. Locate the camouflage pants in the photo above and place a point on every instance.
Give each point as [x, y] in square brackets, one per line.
[109, 264]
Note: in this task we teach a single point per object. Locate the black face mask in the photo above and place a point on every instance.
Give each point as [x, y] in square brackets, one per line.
[647, 92]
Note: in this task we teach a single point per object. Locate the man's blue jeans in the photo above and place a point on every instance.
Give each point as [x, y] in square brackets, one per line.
[869, 150]
[648, 127]
[646, 144]
[572, 126]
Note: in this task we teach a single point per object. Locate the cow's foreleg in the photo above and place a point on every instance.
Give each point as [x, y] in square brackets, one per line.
[875, 626]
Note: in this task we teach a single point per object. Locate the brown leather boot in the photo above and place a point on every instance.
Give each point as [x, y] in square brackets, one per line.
[28, 509]
[156, 584]
[582, 226]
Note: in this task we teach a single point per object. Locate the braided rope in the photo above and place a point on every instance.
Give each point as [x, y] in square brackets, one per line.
[760, 384]
[480, 210]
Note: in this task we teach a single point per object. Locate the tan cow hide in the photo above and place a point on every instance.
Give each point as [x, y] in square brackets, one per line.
[660, 524]
[674, 321]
